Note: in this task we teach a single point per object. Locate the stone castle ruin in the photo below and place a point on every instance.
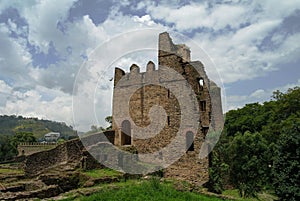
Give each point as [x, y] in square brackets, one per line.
[135, 95]
[160, 120]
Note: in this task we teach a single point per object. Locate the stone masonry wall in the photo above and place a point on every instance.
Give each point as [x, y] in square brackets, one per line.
[144, 95]
[35, 163]
[217, 118]
[30, 148]
[71, 153]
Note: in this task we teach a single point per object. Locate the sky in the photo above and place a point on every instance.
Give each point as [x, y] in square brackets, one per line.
[55, 53]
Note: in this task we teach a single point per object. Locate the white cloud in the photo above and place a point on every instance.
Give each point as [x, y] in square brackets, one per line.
[146, 19]
[237, 32]
[259, 95]
[254, 33]
[14, 57]
[239, 29]
[42, 19]
[32, 103]
[289, 50]
[224, 15]
[238, 56]
[196, 15]
[79, 39]
[236, 43]
[186, 17]
[275, 10]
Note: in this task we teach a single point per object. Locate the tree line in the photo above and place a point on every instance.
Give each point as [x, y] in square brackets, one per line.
[259, 149]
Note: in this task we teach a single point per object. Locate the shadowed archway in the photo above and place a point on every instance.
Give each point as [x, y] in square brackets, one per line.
[126, 133]
[190, 141]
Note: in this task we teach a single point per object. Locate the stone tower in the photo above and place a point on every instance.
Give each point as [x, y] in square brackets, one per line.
[151, 131]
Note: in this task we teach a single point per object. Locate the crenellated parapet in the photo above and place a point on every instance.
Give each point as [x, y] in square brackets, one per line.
[37, 144]
[27, 148]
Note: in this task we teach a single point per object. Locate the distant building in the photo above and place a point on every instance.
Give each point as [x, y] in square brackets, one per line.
[52, 137]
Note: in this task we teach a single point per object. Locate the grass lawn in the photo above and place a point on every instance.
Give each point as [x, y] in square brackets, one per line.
[99, 173]
[7, 171]
[144, 191]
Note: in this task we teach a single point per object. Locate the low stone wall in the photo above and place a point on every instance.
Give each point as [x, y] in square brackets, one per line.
[71, 153]
[37, 162]
[26, 148]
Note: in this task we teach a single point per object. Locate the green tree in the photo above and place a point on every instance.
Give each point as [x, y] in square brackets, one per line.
[21, 137]
[248, 163]
[6, 149]
[286, 168]
[9, 144]
[217, 172]
[254, 138]
[108, 119]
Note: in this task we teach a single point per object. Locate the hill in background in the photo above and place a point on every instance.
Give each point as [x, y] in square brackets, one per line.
[9, 125]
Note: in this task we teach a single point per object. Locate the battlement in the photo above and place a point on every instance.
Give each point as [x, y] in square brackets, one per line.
[135, 76]
[37, 144]
[27, 148]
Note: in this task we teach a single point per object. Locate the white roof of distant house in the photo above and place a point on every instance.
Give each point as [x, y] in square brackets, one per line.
[52, 133]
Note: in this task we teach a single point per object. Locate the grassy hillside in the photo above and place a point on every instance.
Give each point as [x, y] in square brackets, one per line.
[9, 125]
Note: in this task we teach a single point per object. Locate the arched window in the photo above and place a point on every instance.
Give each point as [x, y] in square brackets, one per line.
[126, 133]
[190, 141]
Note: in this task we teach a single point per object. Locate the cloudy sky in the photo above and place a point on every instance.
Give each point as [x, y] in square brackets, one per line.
[45, 46]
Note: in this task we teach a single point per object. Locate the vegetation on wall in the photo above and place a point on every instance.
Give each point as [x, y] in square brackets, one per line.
[260, 148]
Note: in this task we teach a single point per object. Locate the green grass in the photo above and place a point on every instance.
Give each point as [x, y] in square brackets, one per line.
[98, 173]
[234, 193]
[144, 191]
[261, 196]
[10, 171]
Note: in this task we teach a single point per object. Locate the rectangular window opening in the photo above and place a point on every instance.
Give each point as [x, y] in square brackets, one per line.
[205, 130]
[203, 106]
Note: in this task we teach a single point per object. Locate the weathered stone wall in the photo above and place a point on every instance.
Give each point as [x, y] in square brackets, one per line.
[27, 148]
[71, 153]
[144, 95]
[35, 163]
[217, 111]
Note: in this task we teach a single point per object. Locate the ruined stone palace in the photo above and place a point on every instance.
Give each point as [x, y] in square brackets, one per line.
[164, 112]
[135, 111]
